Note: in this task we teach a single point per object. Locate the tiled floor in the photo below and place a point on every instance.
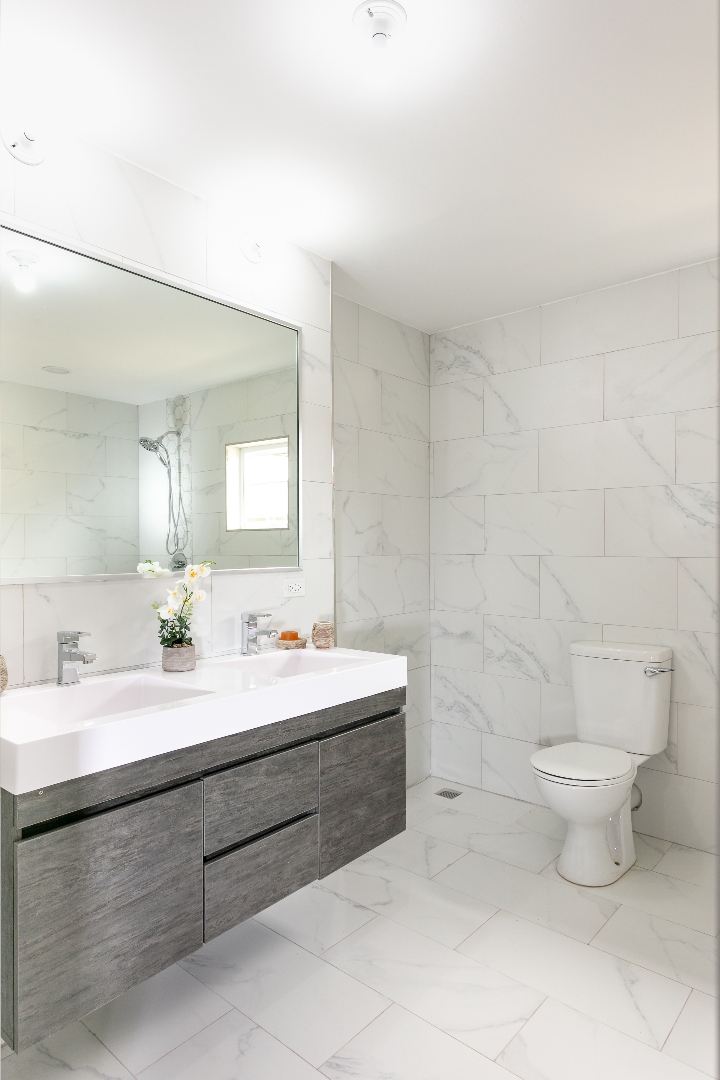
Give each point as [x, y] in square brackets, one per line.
[452, 952]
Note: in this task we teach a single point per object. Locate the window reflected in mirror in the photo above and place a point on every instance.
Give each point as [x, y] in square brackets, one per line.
[257, 484]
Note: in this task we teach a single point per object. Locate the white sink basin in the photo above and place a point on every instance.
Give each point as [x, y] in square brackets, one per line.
[50, 734]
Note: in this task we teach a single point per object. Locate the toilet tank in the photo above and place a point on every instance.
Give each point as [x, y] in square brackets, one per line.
[616, 703]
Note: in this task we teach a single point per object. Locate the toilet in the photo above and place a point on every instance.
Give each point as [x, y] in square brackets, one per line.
[622, 708]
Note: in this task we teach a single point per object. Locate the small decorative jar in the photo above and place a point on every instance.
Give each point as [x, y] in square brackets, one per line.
[323, 635]
[178, 658]
[3, 674]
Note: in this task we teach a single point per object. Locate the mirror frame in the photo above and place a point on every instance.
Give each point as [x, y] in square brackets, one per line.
[79, 247]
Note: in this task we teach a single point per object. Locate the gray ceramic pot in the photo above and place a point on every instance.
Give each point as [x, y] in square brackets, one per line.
[182, 659]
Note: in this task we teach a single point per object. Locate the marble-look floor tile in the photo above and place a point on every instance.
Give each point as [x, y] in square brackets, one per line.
[295, 996]
[649, 850]
[666, 947]
[419, 852]
[694, 1039]
[416, 810]
[535, 897]
[559, 1043]
[470, 801]
[401, 1046]
[73, 1052]
[641, 1003]
[508, 843]
[153, 1018]
[424, 906]
[479, 1007]
[667, 897]
[689, 864]
[315, 918]
[542, 819]
[233, 1048]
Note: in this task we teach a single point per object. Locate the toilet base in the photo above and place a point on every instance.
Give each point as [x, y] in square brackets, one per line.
[599, 853]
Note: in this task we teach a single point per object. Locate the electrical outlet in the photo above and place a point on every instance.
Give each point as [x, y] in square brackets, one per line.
[294, 586]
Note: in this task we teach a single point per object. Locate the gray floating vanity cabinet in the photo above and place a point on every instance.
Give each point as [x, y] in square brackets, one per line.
[109, 878]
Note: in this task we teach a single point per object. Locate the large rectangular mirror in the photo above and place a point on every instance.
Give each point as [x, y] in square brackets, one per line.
[139, 421]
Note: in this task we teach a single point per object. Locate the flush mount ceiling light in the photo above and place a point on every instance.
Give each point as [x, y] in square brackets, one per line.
[250, 248]
[379, 21]
[56, 370]
[23, 277]
[24, 145]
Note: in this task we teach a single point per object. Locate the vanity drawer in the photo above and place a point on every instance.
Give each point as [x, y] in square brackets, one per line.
[249, 879]
[249, 799]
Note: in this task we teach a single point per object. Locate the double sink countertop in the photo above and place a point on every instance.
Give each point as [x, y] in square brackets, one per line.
[51, 733]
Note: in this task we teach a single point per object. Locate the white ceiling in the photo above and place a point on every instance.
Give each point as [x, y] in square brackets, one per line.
[512, 152]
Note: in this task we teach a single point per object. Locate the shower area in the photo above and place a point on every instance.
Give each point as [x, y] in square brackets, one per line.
[165, 481]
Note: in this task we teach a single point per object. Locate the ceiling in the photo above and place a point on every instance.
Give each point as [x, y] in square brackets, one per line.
[124, 337]
[507, 153]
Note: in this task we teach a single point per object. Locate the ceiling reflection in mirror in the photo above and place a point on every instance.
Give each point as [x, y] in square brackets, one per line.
[139, 421]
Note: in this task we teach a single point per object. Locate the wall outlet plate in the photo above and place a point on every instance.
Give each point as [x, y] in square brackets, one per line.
[294, 586]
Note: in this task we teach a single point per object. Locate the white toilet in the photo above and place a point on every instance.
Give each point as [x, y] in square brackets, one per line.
[622, 709]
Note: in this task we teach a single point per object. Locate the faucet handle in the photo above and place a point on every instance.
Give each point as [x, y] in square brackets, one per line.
[246, 616]
[70, 637]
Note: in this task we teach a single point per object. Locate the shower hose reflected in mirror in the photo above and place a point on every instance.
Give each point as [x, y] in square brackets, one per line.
[177, 531]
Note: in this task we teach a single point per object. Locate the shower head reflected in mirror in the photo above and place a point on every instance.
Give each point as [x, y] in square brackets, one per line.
[178, 531]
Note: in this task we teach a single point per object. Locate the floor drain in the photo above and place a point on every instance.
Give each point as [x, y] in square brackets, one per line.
[448, 793]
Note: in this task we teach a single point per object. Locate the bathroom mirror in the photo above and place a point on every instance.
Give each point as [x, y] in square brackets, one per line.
[139, 421]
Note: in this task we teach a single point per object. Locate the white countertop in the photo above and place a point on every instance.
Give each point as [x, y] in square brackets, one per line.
[49, 734]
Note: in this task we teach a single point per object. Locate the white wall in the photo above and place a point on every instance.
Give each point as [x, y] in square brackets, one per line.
[575, 496]
[84, 194]
[382, 501]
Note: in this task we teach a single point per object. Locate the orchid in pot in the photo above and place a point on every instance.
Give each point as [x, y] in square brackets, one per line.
[174, 617]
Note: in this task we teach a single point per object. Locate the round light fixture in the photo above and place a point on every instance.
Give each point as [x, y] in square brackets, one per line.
[56, 370]
[379, 21]
[24, 145]
[23, 277]
[250, 248]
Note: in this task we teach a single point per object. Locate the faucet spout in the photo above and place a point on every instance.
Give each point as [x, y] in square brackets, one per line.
[70, 655]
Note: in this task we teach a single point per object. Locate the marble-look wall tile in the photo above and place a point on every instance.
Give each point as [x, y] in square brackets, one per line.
[99, 496]
[697, 740]
[47, 450]
[667, 759]
[699, 290]
[317, 521]
[346, 457]
[393, 584]
[491, 703]
[12, 536]
[405, 408]
[497, 584]
[405, 525]
[698, 595]
[614, 453]
[11, 631]
[359, 523]
[316, 369]
[390, 465]
[488, 347]
[457, 639]
[534, 648]
[506, 768]
[695, 679]
[219, 405]
[12, 452]
[345, 328]
[456, 754]
[456, 525]
[26, 492]
[121, 457]
[549, 396]
[666, 377]
[676, 521]
[417, 754]
[393, 347]
[456, 410]
[368, 635]
[677, 808]
[52, 536]
[419, 705]
[546, 523]
[493, 464]
[36, 406]
[557, 714]
[408, 635]
[347, 599]
[697, 446]
[272, 394]
[636, 591]
[635, 313]
[357, 395]
[96, 416]
[316, 423]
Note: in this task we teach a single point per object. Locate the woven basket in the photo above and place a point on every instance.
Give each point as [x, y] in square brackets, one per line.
[298, 643]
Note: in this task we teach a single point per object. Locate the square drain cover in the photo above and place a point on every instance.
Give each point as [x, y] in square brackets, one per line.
[448, 793]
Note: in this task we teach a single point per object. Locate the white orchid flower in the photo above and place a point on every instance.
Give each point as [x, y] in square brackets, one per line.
[199, 595]
[152, 569]
[174, 594]
[164, 613]
[192, 573]
[203, 569]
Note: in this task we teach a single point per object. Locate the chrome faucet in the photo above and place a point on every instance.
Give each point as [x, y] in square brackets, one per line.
[250, 632]
[70, 654]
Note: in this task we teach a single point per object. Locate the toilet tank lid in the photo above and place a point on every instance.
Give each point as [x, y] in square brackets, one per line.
[622, 650]
[582, 761]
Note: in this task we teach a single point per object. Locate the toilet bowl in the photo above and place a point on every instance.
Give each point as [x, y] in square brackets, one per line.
[590, 787]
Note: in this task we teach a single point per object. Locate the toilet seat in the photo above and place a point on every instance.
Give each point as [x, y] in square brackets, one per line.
[583, 764]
